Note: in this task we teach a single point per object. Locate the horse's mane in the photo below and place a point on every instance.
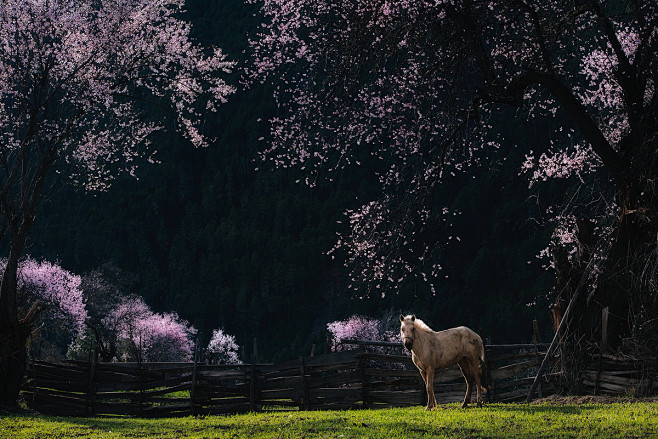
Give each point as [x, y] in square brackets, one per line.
[418, 323]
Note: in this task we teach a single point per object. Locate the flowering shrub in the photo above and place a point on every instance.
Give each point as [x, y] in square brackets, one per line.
[222, 348]
[131, 331]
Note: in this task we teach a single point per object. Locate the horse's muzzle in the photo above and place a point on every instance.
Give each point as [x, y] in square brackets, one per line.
[408, 343]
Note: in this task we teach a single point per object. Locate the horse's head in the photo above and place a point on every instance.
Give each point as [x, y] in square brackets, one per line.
[408, 330]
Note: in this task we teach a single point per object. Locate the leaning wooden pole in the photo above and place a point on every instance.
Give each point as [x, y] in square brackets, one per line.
[558, 333]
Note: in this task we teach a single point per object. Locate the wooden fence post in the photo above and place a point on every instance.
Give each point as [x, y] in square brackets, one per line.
[252, 379]
[91, 391]
[252, 388]
[34, 385]
[193, 385]
[605, 312]
[306, 403]
[535, 328]
[604, 341]
[255, 345]
[364, 381]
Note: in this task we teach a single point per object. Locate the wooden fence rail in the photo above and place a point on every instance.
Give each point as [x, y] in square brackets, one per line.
[611, 376]
[341, 380]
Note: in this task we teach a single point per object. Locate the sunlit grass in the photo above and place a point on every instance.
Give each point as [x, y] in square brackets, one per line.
[622, 420]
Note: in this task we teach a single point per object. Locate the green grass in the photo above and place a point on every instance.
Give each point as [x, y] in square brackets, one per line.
[622, 420]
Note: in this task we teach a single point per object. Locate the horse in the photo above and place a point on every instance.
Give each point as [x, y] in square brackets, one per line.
[432, 350]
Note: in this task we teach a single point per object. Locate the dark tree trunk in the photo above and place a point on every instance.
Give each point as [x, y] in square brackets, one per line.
[15, 323]
[13, 355]
[626, 284]
[625, 288]
[13, 336]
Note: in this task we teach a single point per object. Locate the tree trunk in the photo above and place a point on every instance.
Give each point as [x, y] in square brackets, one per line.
[13, 355]
[13, 337]
[626, 284]
[625, 287]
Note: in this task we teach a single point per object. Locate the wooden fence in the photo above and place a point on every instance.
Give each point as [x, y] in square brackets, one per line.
[621, 377]
[341, 380]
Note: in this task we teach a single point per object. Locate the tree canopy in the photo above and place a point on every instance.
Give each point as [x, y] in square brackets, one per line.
[76, 78]
[418, 85]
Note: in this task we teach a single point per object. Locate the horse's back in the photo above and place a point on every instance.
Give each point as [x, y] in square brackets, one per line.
[471, 342]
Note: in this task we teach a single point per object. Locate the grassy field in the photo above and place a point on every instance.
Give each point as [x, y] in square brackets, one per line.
[622, 420]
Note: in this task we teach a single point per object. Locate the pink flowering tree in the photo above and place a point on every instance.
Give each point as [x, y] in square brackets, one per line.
[421, 88]
[112, 331]
[360, 328]
[74, 77]
[157, 337]
[61, 301]
[104, 289]
[222, 348]
[131, 331]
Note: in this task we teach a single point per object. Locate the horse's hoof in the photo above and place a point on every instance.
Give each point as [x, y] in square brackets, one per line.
[464, 406]
[479, 405]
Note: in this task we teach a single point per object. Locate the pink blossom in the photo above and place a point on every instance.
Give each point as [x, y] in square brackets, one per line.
[72, 74]
[56, 288]
[359, 328]
[148, 336]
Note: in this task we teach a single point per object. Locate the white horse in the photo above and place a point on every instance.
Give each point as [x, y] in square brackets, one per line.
[432, 350]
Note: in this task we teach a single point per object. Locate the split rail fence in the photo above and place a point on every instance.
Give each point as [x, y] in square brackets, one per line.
[607, 375]
[342, 380]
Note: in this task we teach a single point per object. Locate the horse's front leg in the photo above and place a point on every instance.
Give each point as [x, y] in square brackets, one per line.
[429, 386]
[424, 375]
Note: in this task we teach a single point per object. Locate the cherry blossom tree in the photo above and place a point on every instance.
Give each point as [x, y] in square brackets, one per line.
[222, 348]
[103, 290]
[131, 331]
[74, 80]
[60, 298]
[360, 328]
[156, 337]
[422, 86]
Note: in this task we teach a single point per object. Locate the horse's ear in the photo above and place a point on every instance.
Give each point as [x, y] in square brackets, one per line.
[413, 317]
[401, 318]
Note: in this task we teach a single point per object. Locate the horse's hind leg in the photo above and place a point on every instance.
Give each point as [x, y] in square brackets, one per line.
[468, 376]
[477, 374]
